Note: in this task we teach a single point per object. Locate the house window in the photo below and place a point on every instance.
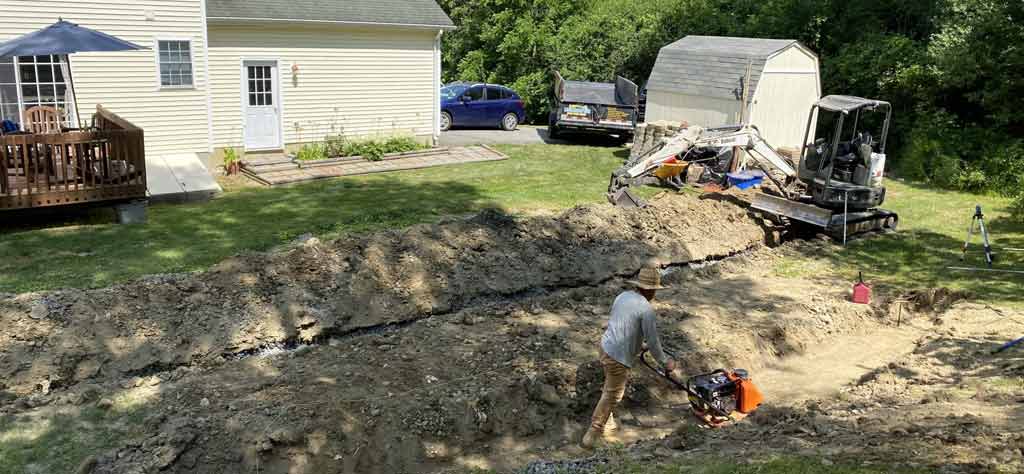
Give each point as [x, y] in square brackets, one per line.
[175, 63]
[29, 81]
[42, 82]
[8, 91]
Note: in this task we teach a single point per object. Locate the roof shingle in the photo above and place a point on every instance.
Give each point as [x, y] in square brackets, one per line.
[712, 66]
[390, 12]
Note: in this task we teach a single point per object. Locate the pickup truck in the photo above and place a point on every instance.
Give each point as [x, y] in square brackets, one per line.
[594, 108]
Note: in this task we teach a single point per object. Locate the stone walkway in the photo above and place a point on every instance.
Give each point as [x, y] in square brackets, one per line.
[279, 170]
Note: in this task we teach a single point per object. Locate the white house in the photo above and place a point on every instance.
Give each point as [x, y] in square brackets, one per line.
[700, 79]
[252, 74]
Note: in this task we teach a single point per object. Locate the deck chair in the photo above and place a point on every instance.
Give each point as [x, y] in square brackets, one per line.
[43, 119]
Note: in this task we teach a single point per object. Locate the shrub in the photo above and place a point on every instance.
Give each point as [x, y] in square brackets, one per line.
[335, 145]
[1017, 206]
[311, 152]
[370, 149]
[230, 157]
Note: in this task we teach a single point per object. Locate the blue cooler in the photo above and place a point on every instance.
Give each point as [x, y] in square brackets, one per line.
[745, 179]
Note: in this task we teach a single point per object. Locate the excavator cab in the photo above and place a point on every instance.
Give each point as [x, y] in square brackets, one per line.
[844, 170]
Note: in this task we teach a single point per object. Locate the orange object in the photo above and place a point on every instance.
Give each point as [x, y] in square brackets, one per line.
[748, 397]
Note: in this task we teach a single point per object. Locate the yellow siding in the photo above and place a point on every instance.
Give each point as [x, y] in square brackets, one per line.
[788, 88]
[356, 81]
[697, 110]
[127, 83]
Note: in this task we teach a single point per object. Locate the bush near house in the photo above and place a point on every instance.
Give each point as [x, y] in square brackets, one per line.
[372, 149]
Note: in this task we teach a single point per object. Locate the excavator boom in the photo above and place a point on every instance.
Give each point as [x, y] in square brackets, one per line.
[745, 137]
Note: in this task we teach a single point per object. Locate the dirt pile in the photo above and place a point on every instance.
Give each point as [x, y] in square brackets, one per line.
[947, 406]
[496, 384]
[315, 290]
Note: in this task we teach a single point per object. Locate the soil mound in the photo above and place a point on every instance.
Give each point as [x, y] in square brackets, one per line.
[316, 290]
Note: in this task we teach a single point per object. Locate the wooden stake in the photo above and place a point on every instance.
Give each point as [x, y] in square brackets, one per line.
[744, 115]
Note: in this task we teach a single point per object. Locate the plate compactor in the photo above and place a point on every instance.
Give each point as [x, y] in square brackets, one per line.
[717, 397]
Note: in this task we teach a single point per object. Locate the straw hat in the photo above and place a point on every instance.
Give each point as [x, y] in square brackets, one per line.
[649, 278]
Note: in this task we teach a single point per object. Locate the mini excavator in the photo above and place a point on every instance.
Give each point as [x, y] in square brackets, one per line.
[836, 185]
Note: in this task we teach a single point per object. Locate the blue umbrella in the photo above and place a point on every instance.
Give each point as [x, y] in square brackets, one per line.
[64, 38]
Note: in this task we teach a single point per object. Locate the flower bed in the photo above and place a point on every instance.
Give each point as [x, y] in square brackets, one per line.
[337, 147]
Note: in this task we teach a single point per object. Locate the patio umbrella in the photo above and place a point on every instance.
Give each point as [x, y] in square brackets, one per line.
[64, 38]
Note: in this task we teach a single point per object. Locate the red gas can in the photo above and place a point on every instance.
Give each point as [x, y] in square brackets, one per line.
[861, 291]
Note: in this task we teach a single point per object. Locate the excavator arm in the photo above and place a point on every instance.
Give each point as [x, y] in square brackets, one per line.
[692, 138]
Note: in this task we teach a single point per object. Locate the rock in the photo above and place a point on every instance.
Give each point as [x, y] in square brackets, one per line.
[284, 436]
[39, 310]
[205, 402]
[104, 404]
[548, 394]
[663, 452]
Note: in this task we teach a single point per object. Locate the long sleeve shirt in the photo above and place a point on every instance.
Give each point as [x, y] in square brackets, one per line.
[631, 324]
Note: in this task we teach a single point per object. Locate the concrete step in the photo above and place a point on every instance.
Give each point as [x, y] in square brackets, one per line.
[269, 168]
[265, 160]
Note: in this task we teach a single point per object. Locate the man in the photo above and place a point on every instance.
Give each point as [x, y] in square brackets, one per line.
[631, 324]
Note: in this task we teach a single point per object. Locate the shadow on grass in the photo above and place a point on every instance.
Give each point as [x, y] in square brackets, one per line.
[189, 237]
[59, 441]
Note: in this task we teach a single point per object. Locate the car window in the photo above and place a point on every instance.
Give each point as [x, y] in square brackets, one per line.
[452, 92]
[476, 93]
[505, 93]
[493, 93]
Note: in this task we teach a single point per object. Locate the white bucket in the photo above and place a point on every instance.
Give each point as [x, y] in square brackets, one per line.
[877, 169]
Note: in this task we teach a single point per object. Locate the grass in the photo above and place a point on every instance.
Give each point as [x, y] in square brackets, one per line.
[58, 442]
[933, 226]
[86, 253]
[182, 238]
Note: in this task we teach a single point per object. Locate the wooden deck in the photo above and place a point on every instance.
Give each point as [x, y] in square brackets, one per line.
[104, 163]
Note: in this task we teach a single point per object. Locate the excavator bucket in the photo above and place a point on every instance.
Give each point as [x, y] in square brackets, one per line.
[623, 198]
[780, 206]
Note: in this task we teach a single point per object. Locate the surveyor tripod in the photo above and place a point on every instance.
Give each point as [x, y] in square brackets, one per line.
[979, 220]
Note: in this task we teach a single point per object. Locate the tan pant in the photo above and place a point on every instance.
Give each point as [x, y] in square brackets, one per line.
[615, 377]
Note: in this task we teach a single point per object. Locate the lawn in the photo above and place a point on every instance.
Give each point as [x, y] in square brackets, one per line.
[933, 226]
[182, 238]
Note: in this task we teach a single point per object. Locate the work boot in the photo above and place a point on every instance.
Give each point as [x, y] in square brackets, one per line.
[590, 439]
[610, 426]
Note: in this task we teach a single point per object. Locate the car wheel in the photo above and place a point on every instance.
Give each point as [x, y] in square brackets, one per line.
[509, 122]
[446, 121]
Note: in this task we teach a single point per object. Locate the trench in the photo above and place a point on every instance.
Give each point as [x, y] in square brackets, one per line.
[335, 335]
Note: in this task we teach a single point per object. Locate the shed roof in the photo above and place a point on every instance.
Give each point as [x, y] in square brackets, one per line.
[420, 13]
[713, 66]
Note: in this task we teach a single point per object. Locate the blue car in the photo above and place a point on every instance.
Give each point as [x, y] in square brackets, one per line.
[467, 104]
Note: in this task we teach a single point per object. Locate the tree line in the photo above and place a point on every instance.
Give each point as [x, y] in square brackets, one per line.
[953, 69]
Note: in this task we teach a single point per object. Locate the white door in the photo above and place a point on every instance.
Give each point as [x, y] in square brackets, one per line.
[261, 105]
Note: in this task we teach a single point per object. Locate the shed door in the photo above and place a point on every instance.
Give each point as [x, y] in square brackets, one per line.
[262, 109]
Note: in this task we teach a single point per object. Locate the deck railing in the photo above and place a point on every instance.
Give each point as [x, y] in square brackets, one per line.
[105, 162]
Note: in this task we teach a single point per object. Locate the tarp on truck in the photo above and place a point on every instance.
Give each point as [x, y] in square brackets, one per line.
[622, 93]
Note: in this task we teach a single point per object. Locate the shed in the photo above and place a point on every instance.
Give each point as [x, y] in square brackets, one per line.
[700, 79]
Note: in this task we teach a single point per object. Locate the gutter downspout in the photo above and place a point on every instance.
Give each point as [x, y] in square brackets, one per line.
[436, 132]
[209, 88]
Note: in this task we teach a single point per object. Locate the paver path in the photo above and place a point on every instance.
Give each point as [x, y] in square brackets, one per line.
[278, 170]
